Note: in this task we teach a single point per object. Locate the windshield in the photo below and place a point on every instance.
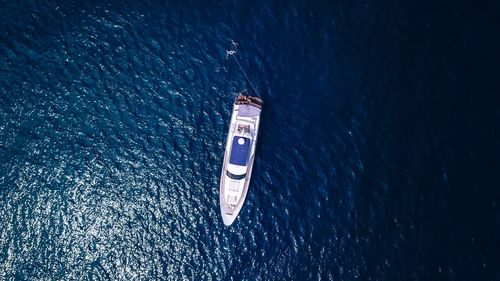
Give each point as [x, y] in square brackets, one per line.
[235, 177]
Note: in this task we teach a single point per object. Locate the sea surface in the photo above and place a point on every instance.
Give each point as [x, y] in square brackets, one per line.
[378, 155]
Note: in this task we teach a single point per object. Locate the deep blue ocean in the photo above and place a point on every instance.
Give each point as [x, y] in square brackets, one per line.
[378, 154]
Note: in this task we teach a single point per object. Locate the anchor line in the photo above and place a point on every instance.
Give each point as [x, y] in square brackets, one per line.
[232, 53]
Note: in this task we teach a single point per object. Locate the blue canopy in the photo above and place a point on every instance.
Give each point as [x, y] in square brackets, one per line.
[239, 151]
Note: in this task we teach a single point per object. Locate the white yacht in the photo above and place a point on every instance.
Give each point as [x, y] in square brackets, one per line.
[239, 155]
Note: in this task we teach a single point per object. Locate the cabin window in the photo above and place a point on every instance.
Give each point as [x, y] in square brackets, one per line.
[235, 177]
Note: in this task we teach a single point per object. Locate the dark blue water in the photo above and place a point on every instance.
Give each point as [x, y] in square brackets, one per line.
[377, 156]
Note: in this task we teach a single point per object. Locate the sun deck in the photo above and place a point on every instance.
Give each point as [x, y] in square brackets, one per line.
[239, 151]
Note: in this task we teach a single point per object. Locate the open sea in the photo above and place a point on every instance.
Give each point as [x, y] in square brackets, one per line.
[378, 154]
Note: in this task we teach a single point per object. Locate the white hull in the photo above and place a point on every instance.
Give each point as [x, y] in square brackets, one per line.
[239, 156]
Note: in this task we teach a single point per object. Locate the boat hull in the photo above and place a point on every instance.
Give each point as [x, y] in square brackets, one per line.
[238, 160]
